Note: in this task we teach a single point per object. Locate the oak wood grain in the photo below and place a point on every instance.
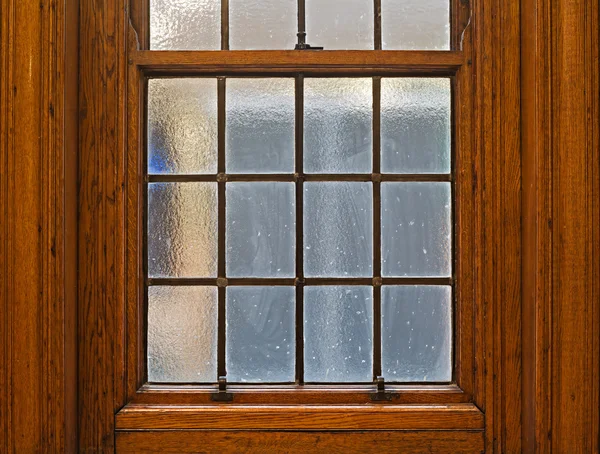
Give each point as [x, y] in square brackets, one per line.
[300, 442]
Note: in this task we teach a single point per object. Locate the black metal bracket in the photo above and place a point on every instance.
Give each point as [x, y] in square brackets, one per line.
[222, 395]
[302, 43]
[380, 395]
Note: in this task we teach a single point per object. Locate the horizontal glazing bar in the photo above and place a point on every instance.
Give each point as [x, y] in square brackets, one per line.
[426, 178]
[369, 62]
[267, 282]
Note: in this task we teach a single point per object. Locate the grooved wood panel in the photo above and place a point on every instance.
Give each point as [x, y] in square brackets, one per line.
[300, 442]
[34, 304]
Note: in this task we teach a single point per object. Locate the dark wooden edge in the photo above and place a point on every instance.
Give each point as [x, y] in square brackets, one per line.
[317, 417]
[292, 442]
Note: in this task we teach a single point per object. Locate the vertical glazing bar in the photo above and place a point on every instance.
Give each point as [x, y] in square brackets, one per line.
[301, 22]
[377, 9]
[377, 227]
[299, 229]
[221, 281]
[224, 24]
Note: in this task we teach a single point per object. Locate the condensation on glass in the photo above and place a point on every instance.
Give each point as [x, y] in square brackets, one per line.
[415, 125]
[338, 334]
[290, 240]
[416, 332]
[182, 334]
[338, 125]
[261, 334]
[261, 230]
[260, 125]
[273, 24]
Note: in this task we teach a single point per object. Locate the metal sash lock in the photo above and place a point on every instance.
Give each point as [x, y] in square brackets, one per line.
[380, 395]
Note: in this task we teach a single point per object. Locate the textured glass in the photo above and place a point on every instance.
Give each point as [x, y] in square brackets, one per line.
[182, 334]
[182, 230]
[261, 229]
[260, 125]
[185, 24]
[260, 334]
[182, 126]
[415, 24]
[262, 24]
[338, 123]
[416, 334]
[416, 229]
[415, 125]
[340, 24]
[338, 325]
[338, 229]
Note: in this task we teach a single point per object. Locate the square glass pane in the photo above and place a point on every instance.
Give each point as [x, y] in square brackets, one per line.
[338, 334]
[182, 126]
[262, 24]
[338, 125]
[415, 24]
[261, 229]
[415, 125]
[416, 229]
[182, 334]
[338, 229]
[182, 230]
[340, 24]
[416, 333]
[261, 334]
[260, 125]
[185, 24]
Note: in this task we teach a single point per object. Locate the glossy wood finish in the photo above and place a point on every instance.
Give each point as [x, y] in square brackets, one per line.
[430, 442]
[37, 383]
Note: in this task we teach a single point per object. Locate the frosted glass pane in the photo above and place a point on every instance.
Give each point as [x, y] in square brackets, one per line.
[185, 24]
[340, 24]
[182, 334]
[415, 24]
[182, 126]
[261, 230]
[338, 123]
[262, 24]
[416, 229]
[338, 229]
[260, 125]
[415, 125]
[261, 334]
[182, 230]
[338, 339]
[416, 334]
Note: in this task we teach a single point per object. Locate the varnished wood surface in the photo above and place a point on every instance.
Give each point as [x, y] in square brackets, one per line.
[413, 442]
[329, 417]
[37, 303]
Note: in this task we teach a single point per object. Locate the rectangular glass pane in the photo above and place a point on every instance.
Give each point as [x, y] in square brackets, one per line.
[185, 24]
[416, 332]
[415, 125]
[262, 24]
[182, 126]
[338, 229]
[260, 125]
[338, 339]
[182, 334]
[182, 230]
[260, 334]
[338, 125]
[261, 230]
[415, 24]
[340, 24]
[416, 229]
